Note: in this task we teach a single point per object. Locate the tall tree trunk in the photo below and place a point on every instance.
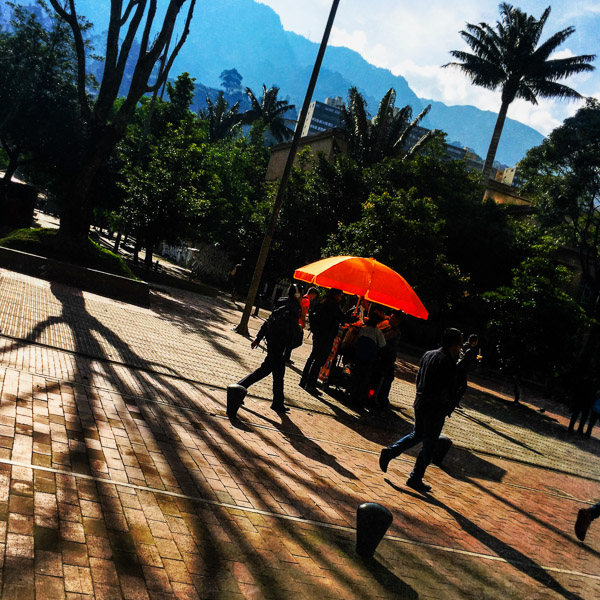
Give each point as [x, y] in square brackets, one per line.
[77, 211]
[149, 252]
[491, 154]
[117, 242]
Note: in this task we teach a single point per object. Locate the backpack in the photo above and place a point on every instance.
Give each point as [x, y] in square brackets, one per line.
[282, 328]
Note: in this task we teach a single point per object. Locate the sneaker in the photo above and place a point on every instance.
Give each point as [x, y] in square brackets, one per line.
[280, 408]
[418, 484]
[384, 459]
[584, 518]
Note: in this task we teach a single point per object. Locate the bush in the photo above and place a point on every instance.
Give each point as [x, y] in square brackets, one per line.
[46, 242]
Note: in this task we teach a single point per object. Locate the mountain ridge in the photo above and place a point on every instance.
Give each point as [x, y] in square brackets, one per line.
[250, 37]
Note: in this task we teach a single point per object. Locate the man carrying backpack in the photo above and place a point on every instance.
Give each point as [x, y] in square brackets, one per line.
[281, 331]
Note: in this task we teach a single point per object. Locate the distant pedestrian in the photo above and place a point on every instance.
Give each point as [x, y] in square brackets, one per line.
[435, 400]
[585, 516]
[324, 320]
[582, 399]
[594, 415]
[281, 331]
[388, 359]
[469, 356]
[239, 278]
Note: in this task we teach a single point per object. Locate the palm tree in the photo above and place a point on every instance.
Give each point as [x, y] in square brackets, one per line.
[508, 57]
[223, 121]
[270, 111]
[371, 140]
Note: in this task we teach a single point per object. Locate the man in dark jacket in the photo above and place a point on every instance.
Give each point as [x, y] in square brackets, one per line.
[324, 324]
[435, 400]
[280, 330]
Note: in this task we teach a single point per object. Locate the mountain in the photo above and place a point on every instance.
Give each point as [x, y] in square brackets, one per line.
[250, 37]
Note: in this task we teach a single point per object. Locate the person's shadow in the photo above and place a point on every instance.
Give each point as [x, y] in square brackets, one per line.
[503, 550]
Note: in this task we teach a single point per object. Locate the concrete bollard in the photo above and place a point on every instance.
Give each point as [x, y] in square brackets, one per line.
[441, 449]
[372, 521]
[235, 398]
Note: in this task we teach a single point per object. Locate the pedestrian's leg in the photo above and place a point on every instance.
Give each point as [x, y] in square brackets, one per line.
[278, 375]
[593, 418]
[585, 413]
[383, 397]
[574, 415]
[403, 444]
[322, 349]
[258, 374]
[432, 430]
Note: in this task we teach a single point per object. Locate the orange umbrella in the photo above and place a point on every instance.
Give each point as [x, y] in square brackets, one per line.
[364, 277]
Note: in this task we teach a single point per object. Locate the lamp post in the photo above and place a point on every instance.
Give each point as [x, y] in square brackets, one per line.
[242, 327]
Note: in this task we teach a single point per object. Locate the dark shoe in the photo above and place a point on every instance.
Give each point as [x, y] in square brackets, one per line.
[313, 391]
[584, 518]
[384, 459]
[280, 408]
[302, 384]
[418, 485]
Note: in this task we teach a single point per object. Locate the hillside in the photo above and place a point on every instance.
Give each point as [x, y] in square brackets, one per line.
[250, 37]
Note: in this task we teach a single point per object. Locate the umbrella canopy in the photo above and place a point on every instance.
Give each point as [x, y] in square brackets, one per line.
[364, 277]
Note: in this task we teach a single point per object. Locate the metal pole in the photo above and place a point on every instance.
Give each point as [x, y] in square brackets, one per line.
[242, 327]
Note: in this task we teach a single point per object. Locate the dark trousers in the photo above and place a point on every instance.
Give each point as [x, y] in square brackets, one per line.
[427, 429]
[595, 511]
[274, 363]
[360, 379]
[388, 367]
[320, 351]
[584, 411]
[593, 418]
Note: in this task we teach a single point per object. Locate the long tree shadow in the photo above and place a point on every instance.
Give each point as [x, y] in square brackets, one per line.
[159, 428]
[303, 444]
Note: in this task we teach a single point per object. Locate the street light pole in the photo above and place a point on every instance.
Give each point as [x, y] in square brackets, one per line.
[242, 327]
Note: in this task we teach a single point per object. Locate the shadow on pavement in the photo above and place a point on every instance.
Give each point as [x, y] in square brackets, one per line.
[462, 464]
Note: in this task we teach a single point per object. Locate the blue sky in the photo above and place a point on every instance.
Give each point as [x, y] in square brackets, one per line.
[414, 39]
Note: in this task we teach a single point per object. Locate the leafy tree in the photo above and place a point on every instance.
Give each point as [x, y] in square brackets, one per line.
[270, 111]
[563, 178]
[405, 232]
[102, 125]
[509, 58]
[386, 134]
[231, 81]
[223, 120]
[533, 315]
[38, 94]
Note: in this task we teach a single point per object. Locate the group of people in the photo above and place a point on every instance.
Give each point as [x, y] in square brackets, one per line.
[441, 379]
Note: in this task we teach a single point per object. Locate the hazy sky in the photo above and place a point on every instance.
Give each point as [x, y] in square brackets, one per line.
[414, 39]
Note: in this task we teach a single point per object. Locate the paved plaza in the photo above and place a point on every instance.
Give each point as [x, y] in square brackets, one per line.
[121, 476]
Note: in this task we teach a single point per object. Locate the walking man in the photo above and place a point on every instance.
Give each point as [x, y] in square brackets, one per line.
[281, 331]
[435, 400]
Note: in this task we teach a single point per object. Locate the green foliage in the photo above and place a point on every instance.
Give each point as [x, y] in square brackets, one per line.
[563, 178]
[45, 242]
[39, 121]
[232, 81]
[270, 111]
[372, 140]
[536, 326]
[223, 121]
[511, 58]
[405, 232]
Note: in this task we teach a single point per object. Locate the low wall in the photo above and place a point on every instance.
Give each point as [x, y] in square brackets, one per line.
[99, 282]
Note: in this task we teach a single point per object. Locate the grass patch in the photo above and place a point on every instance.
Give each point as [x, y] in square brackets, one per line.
[45, 242]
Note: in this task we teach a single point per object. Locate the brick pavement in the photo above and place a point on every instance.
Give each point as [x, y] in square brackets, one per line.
[120, 477]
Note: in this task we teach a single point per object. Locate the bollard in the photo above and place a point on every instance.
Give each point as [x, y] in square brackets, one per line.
[441, 449]
[372, 521]
[235, 398]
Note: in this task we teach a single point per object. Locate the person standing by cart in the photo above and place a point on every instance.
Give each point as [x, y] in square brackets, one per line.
[324, 321]
[388, 359]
